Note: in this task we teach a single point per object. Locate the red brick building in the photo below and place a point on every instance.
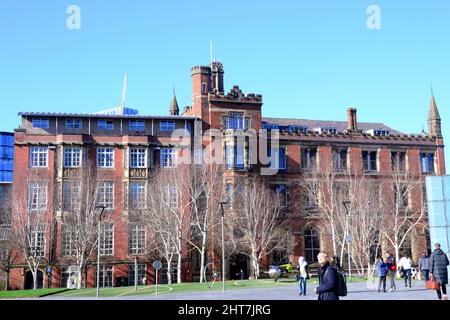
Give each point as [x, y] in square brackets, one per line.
[128, 147]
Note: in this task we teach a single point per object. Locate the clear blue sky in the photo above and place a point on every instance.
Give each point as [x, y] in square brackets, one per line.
[309, 59]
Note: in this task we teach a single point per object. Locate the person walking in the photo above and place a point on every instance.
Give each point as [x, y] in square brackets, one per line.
[405, 264]
[390, 261]
[302, 275]
[438, 270]
[327, 279]
[424, 265]
[382, 270]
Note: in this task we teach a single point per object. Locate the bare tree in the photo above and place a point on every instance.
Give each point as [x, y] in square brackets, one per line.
[81, 217]
[402, 211]
[30, 225]
[167, 214]
[206, 188]
[8, 254]
[255, 222]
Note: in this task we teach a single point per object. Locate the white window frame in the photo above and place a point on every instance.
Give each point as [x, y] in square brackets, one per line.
[67, 248]
[137, 239]
[37, 196]
[38, 157]
[140, 156]
[37, 241]
[104, 155]
[168, 158]
[172, 197]
[138, 194]
[72, 157]
[106, 194]
[74, 123]
[71, 195]
[106, 239]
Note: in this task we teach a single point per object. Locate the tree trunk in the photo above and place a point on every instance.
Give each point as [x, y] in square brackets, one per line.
[179, 268]
[202, 264]
[7, 281]
[34, 279]
[169, 272]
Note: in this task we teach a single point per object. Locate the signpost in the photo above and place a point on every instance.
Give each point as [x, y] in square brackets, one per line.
[349, 239]
[157, 265]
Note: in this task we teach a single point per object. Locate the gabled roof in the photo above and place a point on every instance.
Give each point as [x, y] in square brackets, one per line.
[339, 125]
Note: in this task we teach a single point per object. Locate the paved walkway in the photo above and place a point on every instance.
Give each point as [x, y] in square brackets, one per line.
[356, 291]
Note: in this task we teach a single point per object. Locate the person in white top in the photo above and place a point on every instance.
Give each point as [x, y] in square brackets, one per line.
[303, 275]
[405, 264]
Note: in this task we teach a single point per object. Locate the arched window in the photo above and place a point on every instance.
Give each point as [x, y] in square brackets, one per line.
[312, 244]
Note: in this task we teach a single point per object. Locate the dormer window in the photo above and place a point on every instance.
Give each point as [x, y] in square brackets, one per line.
[269, 126]
[325, 130]
[378, 132]
[298, 129]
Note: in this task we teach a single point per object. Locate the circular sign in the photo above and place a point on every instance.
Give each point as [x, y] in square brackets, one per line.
[349, 238]
[157, 264]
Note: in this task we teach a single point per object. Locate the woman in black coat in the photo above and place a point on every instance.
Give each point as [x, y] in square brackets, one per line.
[438, 270]
[327, 279]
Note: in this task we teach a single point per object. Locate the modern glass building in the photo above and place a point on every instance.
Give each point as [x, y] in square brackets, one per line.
[438, 199]
[6, 157]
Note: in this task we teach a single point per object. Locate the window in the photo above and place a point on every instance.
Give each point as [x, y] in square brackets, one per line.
[106, 194]
[235, 120]
[138, 158]
[311, 201]
[172, 197]
[168, 158]
[369, 160]
[40, 123]
[106, 124]
[138, 195]
[36, 241]
[297, 129]
[308, 159]
[106, 276]
[401, 195]
[72, 157]
[140, 273]
[167, 125]
[71, 195]
[38, 157]
[281, 199]
[105, 157]
[269, 126]
[5, 231]
[339, 160]
[74, 124]
[398, 161]
[204, 88]
[238, 153]
[68, 248]
[136, 239]
[106, 239]
[137, 125]
[427, 162]
[37, 196]
[312, 244]
[278, 159]
[5, 193]
[326, 130]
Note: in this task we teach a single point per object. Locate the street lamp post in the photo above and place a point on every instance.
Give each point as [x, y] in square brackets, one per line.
[348, 238]
[98, 248]
[223, 247]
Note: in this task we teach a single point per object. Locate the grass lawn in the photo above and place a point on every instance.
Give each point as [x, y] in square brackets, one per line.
[29, 293]
[177, 288]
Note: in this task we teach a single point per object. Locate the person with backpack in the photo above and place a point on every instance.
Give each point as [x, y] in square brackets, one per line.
[438, 270]
[382, 271]
[303, 275]
[390, 261]
[336, 263]
[328, 279]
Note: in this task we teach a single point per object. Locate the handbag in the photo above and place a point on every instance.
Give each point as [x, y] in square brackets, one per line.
[432, 284]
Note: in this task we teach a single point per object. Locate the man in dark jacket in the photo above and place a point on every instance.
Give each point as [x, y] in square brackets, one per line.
[424, 265]
[438, 270]
[327, 279]
[390, 261]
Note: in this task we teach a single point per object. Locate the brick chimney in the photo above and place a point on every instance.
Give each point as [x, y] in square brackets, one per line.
[352, 123]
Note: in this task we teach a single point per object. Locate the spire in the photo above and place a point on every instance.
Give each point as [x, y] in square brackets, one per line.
[434, 119]
[174, 110]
